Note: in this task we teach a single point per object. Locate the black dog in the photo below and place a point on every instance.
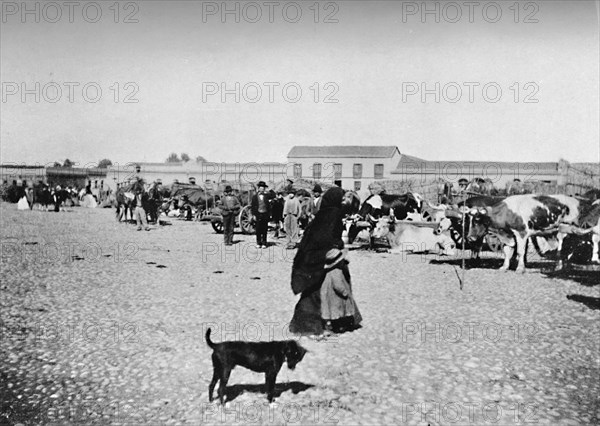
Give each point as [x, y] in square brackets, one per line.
[262, 357]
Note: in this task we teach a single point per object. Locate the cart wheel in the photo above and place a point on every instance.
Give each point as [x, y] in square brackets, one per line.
[494, 243]
[217, 226]
[245, 221]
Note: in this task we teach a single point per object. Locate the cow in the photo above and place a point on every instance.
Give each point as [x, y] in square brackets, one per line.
[402, 207]
[389, 204]
[59, 196]
[406, 237]
[454, 225]
[42, 196]
[433, 213]
[519, 217]
[580, 242]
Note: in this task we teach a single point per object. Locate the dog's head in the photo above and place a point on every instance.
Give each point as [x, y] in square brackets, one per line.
[293, 353]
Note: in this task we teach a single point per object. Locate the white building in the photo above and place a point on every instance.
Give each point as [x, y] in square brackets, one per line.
[351, 167]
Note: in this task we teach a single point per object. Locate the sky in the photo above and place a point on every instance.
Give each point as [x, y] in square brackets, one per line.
[368, 73]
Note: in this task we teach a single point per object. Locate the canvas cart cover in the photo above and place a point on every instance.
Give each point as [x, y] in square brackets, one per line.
[195, 193]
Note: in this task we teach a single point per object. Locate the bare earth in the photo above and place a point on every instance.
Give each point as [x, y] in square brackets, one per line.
[102, 324]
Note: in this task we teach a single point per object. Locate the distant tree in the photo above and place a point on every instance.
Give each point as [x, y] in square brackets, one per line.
[173, 158]
[184, 157]
[68, 163]
[200, 159]
[104, 164]
[57, 164]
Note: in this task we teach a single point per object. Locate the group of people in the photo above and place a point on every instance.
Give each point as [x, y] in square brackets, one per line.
[26, 195]
[286, 213]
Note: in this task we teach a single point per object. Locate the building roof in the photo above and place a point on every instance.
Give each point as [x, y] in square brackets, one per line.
[75, 171]
[343, 151]
[411, 164]
[411, 159]
[21, 166]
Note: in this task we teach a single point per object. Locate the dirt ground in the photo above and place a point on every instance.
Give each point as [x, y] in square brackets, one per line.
[102, 324]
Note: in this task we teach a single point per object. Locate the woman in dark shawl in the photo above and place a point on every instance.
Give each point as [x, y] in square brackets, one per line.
[319, 251]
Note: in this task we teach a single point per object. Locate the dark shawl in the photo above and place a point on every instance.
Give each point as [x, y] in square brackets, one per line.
[308, 272]
[323, 234]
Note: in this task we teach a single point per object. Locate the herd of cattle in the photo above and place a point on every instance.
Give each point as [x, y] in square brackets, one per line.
[569, 225]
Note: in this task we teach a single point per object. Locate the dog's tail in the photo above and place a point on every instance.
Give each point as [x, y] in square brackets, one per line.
[208, 341]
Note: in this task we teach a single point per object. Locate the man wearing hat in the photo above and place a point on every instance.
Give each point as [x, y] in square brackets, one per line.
[230, 207]
[261, 210]
[315, 205]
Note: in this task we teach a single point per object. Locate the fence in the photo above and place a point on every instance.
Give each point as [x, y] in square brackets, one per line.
[579, 178]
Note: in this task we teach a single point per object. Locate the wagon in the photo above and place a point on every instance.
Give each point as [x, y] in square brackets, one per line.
[202, 198]
[244, 221]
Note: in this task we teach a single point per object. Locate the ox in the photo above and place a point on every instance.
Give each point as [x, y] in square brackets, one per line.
[405, 237]
[453, 222]
[581, 243]
[519, 217]
[400, 205]
[434, 213]
[42, 196]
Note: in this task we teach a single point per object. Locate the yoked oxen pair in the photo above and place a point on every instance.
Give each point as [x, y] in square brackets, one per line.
[580, 243]
[407, 237]
[453, 222]
[402, 207]
[519, 217]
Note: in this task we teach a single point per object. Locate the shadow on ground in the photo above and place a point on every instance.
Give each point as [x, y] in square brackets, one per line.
[469, 263]
[590, 302]
[234, 391]
[586, 278]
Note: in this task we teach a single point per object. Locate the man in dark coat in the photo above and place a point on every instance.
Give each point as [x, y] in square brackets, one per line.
[315, 204]
[261, 211]
[277, 212]
[321, 241]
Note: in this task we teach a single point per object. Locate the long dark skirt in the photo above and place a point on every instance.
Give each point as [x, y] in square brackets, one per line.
[307, 314]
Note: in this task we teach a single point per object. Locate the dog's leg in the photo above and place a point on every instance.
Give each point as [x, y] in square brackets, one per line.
[270, 379]
[213, 382]
[225, 372]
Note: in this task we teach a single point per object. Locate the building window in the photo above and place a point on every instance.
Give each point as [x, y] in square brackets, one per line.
[357, 185]
[317, 171]
[297, 170]
[357, 171]
[337, 171]
[378, 174]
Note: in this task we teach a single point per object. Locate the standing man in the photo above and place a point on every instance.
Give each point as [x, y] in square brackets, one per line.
[316, 204]
[291, 211]
[140, 213]
[277, 212]
[230, 207]
[261, 211]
